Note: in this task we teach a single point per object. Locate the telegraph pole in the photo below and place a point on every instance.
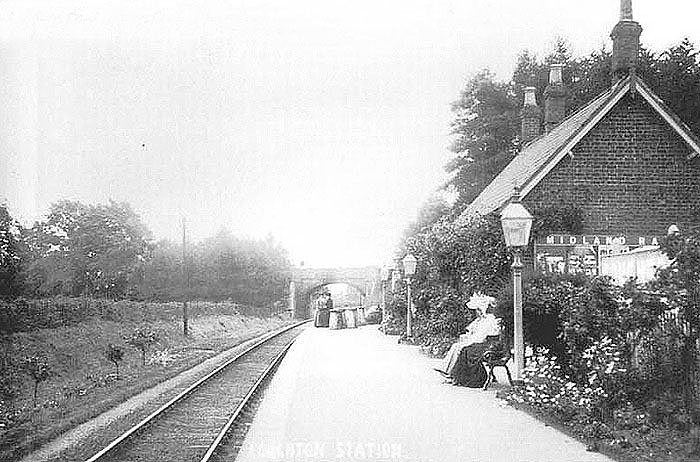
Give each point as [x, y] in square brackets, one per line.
[185, 280]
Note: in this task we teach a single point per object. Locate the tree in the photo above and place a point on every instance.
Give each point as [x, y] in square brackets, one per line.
[10, 254]
[114, 354]
[38, 368]
[486, 119]
[675, 76]
[162, 273]
[434, 209]
[95, 250]
[142, 339]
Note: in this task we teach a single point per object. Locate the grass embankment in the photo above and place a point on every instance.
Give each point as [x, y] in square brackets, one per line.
[84, 383]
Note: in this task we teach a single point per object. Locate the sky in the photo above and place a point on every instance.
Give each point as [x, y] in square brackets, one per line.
[322, 123]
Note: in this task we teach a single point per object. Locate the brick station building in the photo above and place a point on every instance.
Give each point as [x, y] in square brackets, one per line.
[625, 160]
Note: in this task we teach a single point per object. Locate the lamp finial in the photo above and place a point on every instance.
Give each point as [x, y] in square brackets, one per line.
[626, 10]
[516, 192]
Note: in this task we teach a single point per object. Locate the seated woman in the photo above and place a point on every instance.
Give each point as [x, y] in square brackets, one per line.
[462, 364]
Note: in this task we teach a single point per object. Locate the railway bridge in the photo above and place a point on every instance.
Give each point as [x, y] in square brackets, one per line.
[306, 281]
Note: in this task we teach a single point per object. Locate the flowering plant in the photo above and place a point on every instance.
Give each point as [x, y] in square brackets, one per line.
[546, 385]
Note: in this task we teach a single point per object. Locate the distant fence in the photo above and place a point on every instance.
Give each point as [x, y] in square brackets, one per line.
[25, 315]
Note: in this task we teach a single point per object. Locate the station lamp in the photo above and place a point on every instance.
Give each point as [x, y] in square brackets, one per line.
[409, 269]
[516, 222]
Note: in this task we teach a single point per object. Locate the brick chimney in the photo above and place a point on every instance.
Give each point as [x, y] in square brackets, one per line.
[625, 37]
[530, 116]
[554, 98]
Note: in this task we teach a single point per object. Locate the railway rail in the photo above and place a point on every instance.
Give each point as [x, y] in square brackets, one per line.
[193, 425]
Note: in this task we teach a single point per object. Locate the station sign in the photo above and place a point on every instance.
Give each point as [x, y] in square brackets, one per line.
[597, 239]
[567, 253]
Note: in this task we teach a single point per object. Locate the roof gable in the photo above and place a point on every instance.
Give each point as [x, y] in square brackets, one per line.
[541, 155]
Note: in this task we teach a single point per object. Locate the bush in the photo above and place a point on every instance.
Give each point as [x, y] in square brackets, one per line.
[38, 368]
[142, 339]
[588, 405]
[455, 260]
[114, 354]
[545, 297]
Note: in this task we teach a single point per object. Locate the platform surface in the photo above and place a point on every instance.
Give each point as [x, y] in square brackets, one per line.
[355, 394]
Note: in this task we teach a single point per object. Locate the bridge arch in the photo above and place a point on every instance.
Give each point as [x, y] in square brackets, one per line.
[305, 281]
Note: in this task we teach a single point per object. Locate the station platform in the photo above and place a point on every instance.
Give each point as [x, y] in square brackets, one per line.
[356, 394]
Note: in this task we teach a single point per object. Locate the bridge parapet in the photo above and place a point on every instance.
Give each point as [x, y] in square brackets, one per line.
[305, 280]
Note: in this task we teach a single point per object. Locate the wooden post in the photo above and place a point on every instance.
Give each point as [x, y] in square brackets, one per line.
[185, 280]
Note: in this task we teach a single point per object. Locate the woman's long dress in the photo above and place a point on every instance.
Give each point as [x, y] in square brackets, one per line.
[322, 317]
[463, 361]
[468, 370]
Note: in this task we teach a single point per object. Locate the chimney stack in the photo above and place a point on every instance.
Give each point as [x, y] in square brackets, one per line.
[530, 116]
[554, 98]
[625, 37]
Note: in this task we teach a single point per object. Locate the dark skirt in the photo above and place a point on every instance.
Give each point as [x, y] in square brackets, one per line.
[321, 318]
[469, 370]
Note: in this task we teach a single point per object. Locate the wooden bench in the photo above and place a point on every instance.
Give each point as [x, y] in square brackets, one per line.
[496, 358]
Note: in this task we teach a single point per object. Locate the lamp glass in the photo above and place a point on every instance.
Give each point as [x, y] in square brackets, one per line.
[516, 222]
[409, 264]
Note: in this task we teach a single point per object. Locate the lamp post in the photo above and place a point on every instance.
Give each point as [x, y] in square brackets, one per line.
[409, 268]
[384, 275]
[516, 222]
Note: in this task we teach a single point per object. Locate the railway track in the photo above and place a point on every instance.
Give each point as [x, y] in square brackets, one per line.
[192, 425]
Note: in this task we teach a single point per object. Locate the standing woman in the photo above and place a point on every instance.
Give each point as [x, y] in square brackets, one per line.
[322, 314]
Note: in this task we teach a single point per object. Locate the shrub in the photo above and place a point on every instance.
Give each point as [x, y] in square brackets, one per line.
[548, 385]
[142, 339]
[9, 382]
[38, 368]
[545, 296]
[589, 317]
[455, 260]
[114, 355]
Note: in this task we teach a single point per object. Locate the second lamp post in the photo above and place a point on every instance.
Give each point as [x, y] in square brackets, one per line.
[409, 269]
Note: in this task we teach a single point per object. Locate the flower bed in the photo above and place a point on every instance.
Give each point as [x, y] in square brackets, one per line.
[599, 411]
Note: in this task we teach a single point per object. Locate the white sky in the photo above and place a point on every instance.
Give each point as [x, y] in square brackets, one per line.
[322, 122]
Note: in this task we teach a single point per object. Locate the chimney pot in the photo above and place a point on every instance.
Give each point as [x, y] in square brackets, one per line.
[625, 37]
[626, 10]
[555, 77]
[554, 98]
[530, 99]
[530, 116]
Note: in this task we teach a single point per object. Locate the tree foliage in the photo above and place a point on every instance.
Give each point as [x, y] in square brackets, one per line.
[486, 119]
[141, 339]
[455, 260]
[105, 251]
[223, 267]
[10, 254]
[94, 250]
